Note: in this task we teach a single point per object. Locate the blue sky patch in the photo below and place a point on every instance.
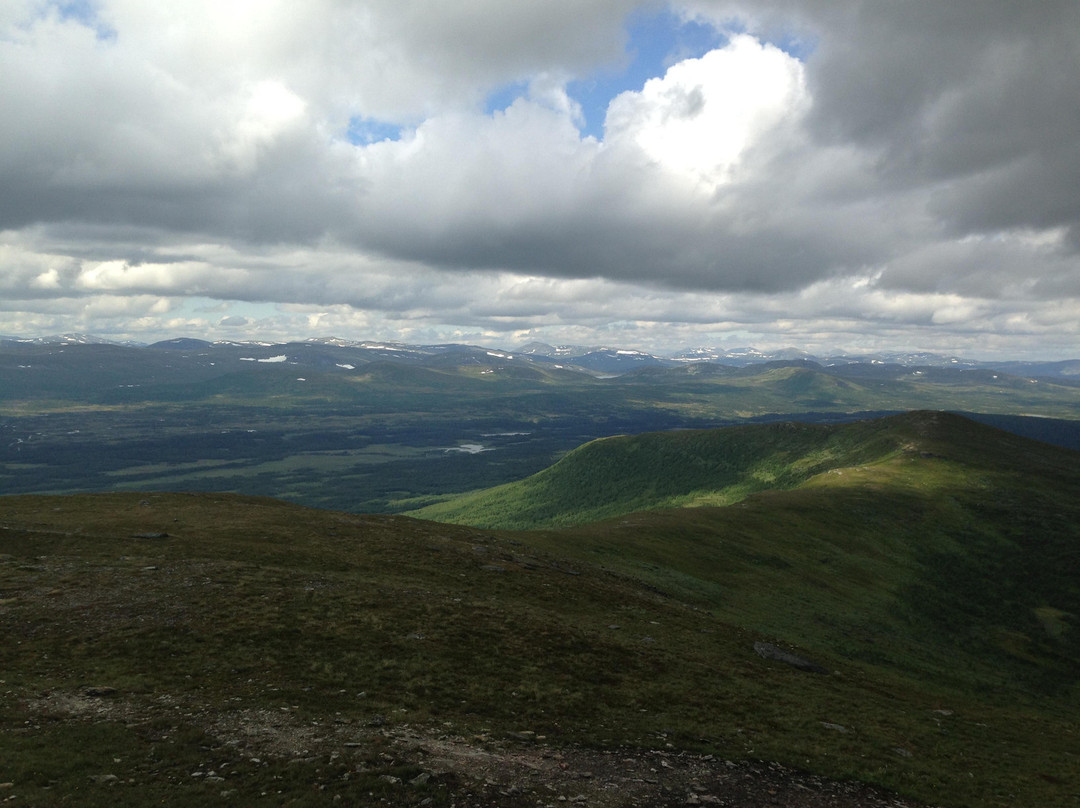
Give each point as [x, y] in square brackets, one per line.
[657, 40]
[505, 96]
[365, 131]
[84, 12]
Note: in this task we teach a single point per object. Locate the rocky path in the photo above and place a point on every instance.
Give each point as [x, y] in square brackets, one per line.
[464, 772]
[512, 774]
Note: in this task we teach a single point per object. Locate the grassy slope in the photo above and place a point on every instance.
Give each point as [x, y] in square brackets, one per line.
[958, 549]
[937, 584]
[944, 553]
[252, 606]
[615, 476]
[916, 516]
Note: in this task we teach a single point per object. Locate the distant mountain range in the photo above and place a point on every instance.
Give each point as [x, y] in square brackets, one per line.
[331, 351]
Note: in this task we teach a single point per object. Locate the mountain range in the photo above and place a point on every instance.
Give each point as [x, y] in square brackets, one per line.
[334, 352]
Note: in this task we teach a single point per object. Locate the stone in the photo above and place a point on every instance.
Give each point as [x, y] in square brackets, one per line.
[767, 650]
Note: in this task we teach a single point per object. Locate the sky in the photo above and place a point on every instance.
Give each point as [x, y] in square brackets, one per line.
[857, 175]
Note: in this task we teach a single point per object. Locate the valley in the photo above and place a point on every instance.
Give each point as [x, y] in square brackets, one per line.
[380, 429]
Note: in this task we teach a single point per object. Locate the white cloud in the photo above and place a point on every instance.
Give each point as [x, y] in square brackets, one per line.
[702, 116]
[913, 165]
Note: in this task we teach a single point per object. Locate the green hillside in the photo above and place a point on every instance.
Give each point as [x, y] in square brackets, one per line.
[619, 475]
[953, 556]
[174, 648]
[888, 533]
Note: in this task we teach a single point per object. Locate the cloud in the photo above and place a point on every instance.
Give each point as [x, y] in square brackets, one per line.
[976, 97]
[699, 119]
[919, 158]
[670, 195]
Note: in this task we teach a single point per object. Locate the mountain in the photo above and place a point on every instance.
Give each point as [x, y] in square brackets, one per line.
[181, 344]
[740, 357]
[65, 339]
[943, 548]
[615, 476]
[690, 468]
[895, 632]
[593, 359]
[185, 369]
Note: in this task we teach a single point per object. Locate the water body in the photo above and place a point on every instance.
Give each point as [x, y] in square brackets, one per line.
[468, 448]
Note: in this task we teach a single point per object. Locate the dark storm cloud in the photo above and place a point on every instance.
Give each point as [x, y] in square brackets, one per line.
[979, 96]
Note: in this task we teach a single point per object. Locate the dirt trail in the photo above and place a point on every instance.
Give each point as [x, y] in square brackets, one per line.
[489, 772]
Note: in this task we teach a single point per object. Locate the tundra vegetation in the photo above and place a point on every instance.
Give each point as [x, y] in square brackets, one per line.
[188, 648]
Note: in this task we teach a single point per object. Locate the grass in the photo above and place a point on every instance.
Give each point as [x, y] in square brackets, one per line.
[933, 585]
[616, 476]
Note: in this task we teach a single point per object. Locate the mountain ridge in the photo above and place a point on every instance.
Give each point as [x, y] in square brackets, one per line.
[607, 478]
[597, 359]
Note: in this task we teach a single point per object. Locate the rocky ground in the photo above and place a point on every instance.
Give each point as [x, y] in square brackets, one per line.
[513, 775]
[439, 768]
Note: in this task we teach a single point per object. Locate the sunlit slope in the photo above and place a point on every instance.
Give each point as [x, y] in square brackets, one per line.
[954, 557]
[615, 476]
[924, 541]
